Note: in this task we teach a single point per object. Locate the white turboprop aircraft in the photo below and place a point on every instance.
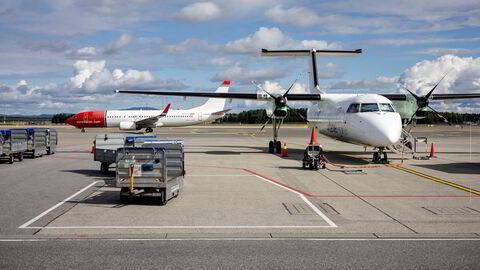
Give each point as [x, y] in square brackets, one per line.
[149, 119]
[363, 119]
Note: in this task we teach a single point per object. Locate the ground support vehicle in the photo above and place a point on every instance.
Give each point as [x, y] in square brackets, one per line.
[52, 141]
[106, 145]
[154, 170]
[13, 144]
[313, 157]
[37, 141]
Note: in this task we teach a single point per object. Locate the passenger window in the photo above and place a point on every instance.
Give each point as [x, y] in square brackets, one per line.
[386, 107]
[353, 108]
[369, 107]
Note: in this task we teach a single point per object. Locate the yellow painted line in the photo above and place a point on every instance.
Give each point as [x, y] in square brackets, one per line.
[438, 180]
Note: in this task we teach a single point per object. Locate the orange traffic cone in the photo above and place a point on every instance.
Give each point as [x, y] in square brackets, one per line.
[433, 151]
[313, 138]
[285, 150]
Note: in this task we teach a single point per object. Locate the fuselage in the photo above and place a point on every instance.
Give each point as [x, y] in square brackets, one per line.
[365, 119]
[127, 118]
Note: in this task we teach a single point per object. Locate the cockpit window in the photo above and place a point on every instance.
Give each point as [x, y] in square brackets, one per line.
[354, 108]
[386, 107]
[369, 107]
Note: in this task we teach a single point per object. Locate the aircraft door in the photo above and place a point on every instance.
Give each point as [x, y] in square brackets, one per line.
[200, 116]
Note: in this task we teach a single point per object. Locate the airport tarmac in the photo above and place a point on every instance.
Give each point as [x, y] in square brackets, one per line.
[235, 189]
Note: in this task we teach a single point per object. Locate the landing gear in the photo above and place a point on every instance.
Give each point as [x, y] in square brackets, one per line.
[377, 156]
[83, 130]
[148, 130]
[275, 146]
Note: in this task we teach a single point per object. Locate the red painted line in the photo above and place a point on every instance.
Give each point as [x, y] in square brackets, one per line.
[395, 196]
[279, 183]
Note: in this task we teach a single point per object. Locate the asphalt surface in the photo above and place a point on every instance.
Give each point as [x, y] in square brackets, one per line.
[245, 208]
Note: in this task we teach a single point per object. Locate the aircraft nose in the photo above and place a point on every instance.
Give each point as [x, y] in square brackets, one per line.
[387, 128]
[71, 120]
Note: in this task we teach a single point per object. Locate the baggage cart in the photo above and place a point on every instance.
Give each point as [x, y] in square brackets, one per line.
[105, 149]
[36, 141]
[13, 144]
[150, 171]
[52, 141]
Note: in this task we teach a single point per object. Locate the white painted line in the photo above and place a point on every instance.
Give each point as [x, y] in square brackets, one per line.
[237, 239]
[311, 205]
[26, 224]
[179, 227]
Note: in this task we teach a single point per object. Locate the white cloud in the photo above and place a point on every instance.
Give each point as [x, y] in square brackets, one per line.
[421, 40]
[199, 12]
[116, 45]
[445, 51]
[274, 38]
[95, 53]
[462, 75]
[244, 75]
[299, 16]
[379, 83]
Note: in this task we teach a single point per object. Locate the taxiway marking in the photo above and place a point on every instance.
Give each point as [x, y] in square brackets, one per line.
[26, 224]
[438, 180]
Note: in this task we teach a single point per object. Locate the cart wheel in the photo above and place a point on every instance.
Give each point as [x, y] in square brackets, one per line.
[303, 165]
[10, 159]
[48, 151]
[125, 199]
[310, 166]
[163, 197]
[20, 156]
[104, 167]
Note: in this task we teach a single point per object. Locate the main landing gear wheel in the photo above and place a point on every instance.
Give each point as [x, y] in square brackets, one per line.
[83, 130]
[278, 146]
[149, 130]
[271, 147]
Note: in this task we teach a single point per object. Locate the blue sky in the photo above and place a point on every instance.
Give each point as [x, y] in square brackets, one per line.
[69, 56]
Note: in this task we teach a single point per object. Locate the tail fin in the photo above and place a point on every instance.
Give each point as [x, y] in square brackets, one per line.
[313, 59]
[217, 104]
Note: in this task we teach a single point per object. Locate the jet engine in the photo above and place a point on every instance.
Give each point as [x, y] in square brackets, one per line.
[128, 126]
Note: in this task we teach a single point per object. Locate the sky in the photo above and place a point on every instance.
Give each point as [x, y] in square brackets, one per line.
[69, 56]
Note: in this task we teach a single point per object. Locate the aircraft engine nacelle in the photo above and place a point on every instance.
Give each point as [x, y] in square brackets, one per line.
[128, 126]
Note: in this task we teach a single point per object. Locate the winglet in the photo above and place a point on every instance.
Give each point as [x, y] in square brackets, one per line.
[226, 82]
[165, 111]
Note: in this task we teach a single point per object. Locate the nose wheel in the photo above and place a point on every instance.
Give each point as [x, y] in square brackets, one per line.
[148, 130]
[377, 156]
[83, 130]
[275, 146]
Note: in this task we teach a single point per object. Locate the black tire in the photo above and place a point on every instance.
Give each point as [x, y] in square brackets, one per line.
[33, 154]
[278, 145]
[48, 151]
[376, 157]
[303, 165]
[315, 165]
[148, 130]
[270, 147]
[104, 167]
[10, 159]
[163, 197]
[20, 156]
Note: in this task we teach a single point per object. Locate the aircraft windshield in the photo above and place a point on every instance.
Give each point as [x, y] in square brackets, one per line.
[386, 107]
[369, 107]
[354, 108]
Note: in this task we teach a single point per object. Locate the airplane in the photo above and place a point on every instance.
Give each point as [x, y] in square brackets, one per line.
[149, 119]
[370, 120]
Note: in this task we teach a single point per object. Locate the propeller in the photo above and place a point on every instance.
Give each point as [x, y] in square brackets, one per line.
[423, 102]
[280, 101]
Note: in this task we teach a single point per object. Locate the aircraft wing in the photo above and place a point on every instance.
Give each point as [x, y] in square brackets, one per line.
[251, 96]
[221, 112]
[434, 96]
[149, 122]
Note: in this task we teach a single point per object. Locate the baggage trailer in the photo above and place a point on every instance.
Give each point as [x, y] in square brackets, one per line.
[52, 141]
[154, 170]
[105, 149]
[13, 144]
[36, 142]
[106, 145]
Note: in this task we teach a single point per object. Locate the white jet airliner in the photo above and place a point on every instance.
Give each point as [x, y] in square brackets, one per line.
[363, 119]
[149, 119]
